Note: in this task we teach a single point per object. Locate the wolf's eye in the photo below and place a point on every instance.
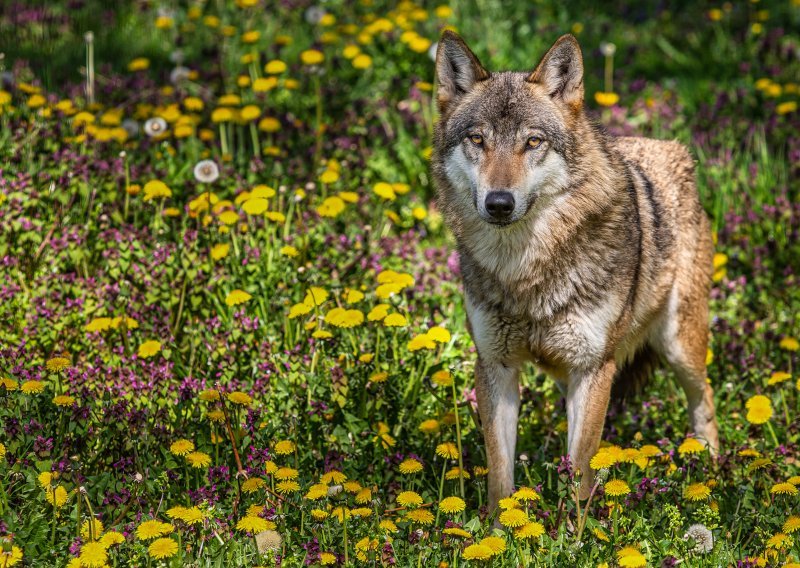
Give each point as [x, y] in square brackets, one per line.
[534, 142]
[476, 139]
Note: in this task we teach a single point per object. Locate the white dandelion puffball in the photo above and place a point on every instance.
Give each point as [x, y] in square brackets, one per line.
[206, 171]
[155, 126]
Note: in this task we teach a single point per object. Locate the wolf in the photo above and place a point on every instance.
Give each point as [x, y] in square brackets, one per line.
[586, 254]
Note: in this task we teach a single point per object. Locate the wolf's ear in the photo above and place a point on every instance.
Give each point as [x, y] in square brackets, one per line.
[457, 69]
[561, 71]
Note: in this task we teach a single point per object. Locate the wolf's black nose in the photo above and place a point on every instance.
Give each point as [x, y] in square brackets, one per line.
[500, 204]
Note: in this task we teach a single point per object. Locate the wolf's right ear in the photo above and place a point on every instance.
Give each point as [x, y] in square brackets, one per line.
[561, 71]
[457, 69]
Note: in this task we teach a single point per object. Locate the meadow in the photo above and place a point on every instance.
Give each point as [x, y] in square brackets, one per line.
[232, 330]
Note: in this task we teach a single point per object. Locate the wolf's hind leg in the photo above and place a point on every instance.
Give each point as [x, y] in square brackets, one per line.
[497, 390]
[684, 344]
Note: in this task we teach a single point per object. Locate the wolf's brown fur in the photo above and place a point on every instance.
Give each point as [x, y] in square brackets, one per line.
[607, 252]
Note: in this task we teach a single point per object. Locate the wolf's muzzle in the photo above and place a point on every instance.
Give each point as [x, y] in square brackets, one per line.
[500, 205]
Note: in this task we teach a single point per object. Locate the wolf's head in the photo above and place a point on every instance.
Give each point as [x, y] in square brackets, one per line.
[504, 140]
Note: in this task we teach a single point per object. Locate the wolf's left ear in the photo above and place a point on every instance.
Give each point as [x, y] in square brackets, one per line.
[561, 71]
[457, 69]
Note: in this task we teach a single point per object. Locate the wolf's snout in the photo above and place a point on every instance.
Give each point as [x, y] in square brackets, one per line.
[500, 205]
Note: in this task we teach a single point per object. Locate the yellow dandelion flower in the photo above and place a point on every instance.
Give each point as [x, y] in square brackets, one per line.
[455, 473]
[791, 525]
[779, 541]
[252, 524]
[64, 400]
[198, 460]
[163, 548]
[327, 558]
[112, 538]
[784, 488]
[284, 473]
[155, 189]
[606, 99]
[363, 496]
[420, 517]
[287, 487]
[430, 426]
[410, 466]
[456, 531]
[181, 447]
[312, 57]
[32, 387]
[317, 491]
[57, 496]
[496, 544]
[778, 377]
[691, 446]
[759, 409]
[513, 518]
[96, 529]
[378, 313]
[617, 487]
[332, 476]
[532, 529]
[395, 320]
[93, 555]
[421, 341]
[630, 557]
[442, 378]
[477, 552]
[409, 499]
[284, 448]
[57, 364]
[602, 460]
[600, 534]
[789, 344]
[696, 492]
[239, 397]
[526, 494]
[153, 529]
[149, 348]
[237, 297]
[331, 207]
[447, 450]
[450, 505]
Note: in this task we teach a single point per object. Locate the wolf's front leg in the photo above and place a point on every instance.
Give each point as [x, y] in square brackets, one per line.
[497, 389]
[587, 403]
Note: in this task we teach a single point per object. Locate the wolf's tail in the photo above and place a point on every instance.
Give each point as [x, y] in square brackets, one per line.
[634, 374]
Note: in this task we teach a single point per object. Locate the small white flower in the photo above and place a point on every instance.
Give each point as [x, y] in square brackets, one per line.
[314, 14]
[176, 56]
[608, 49]
[155, 126]
[206, 171]
[131, 127]
[704, 540]
[179, 74]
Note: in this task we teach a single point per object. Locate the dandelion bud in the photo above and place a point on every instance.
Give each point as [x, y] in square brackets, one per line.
[523, 458]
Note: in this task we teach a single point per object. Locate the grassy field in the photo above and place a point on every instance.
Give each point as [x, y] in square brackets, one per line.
[231, 323]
